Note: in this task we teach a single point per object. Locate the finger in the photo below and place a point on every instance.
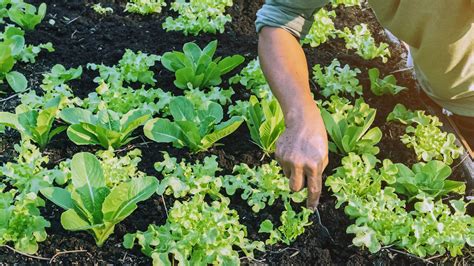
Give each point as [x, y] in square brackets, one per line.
[297, 178]
[314, 180]
[284, 167]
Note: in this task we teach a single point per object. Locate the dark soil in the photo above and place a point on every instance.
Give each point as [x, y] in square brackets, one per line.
[80, 36]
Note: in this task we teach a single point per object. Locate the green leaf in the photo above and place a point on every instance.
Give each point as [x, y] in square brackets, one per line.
[17, 81]
[73, 222]
[59, 196]
[221, 131]
[229, 63]
[162, 130]
[123, 199]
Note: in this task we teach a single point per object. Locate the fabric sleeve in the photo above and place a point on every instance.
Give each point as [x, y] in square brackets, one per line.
[295, 16]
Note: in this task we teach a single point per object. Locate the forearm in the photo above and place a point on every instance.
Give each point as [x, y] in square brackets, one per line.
[284, 64]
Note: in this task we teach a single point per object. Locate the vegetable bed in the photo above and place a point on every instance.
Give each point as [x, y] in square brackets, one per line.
[82, 37]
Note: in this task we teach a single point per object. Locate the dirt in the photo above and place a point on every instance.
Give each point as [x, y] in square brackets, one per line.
[80, 36]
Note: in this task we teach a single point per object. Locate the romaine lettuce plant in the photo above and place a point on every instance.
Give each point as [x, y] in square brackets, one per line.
[292, 225]
[261, 186]
[322, 29]
[33, 124]
[387, 85]
[335, 80]
[197, 16]
[90, 205]
[253, 79]
[106, 128]
[185, 179]
[20, 220]
[426, 178]
[196, 129]
[196, 233]
[196, 68]
[145, 7]
[361, 40]
[425, 136]
[349, 126]
[26, 15]
[265, 122]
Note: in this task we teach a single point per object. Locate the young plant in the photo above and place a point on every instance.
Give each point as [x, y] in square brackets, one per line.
[196, 233]
[381, 218]
[322, 29]
[196, 129]
[29, 173]
[387, 85]
[346, 3]
[58, 76]
[425, 136]
[90, 205]
[99, 9]
[261, 186]
[145, 7]
[125, 99]
[21, 222]
[196, 68]
[197, 16]
[253, 79]
[201, 99]
[348, 126]
[335, 80]
[33, 124]
[265, 122]
[292, 226]
[133, 67]
[426, 179]
[361, 40]
[26, 15]
[183, 179]
[106, 128]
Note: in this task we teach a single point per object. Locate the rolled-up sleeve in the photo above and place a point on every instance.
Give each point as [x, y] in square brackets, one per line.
[295, 16]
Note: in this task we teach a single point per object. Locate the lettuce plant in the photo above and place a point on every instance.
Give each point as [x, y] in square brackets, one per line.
[426, 178]
[196, 233]
[345, 3]
[145, 7]
[197, 16]
[36, 125]
[361, 40]
[133, 67]
[90, 205]
[99, 9]
[261, 186]
[28, 174]
[106, 128]
[292, 225]
[20, 220]
[185, 179]
[387, 85]
[335, 80]
[322, 29]
[196, 68]
[425, 136]
[124, 99]
[13, 49]
[59, 75]
[349, 126]
[381, 217]
[26, 15]
[196, 129]
[265, 122]
[201, 99]
[253, 79]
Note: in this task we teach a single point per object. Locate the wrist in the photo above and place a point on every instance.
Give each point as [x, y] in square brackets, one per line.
[303, 115]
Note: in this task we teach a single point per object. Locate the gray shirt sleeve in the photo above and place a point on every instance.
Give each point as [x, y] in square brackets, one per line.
[295, 16]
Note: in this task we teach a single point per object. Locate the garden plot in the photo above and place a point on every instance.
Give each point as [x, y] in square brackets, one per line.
[143, 132]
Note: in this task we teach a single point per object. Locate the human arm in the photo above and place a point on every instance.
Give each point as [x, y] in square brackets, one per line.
[302, 150]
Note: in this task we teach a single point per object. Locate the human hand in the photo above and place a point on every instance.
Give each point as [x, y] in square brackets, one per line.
[302, 151]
